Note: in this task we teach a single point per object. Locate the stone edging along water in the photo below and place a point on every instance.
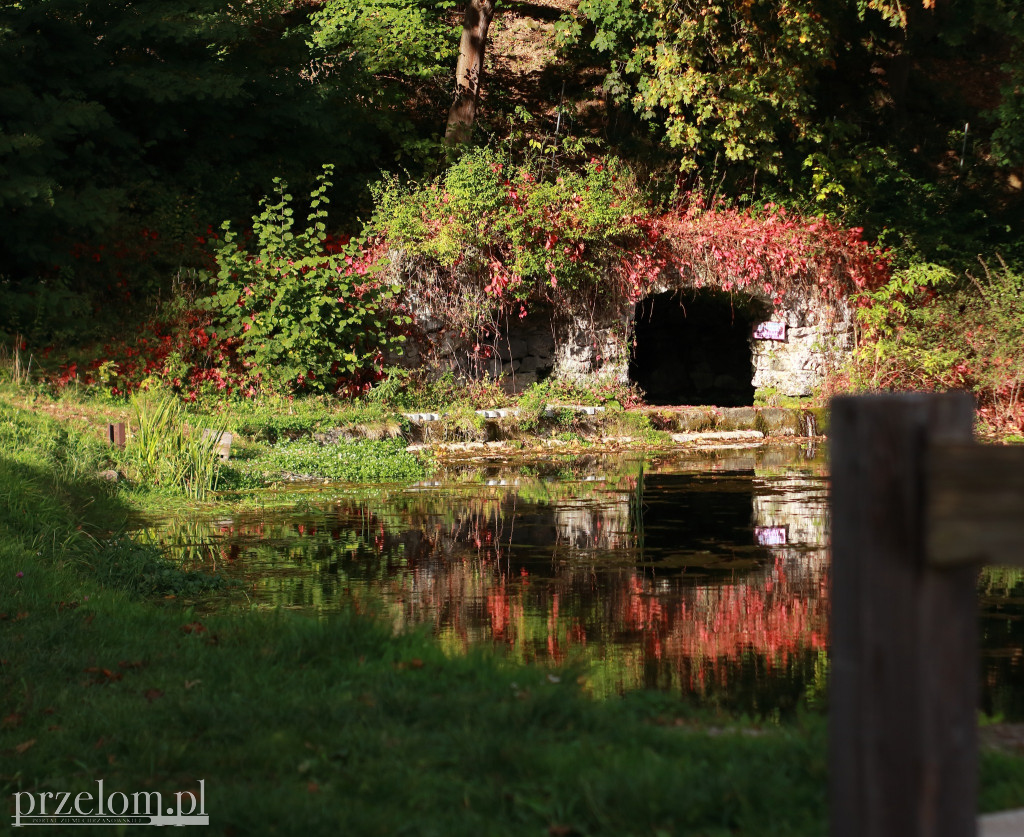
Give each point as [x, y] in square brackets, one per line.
[699, 425]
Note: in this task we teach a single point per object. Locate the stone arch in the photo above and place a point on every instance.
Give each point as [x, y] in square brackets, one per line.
[694, 346]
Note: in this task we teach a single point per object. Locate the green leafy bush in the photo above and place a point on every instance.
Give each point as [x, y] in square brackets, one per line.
[308, 312]
[926, 330]
[525, 230]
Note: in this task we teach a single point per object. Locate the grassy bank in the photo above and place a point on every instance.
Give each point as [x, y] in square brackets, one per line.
[299, 725]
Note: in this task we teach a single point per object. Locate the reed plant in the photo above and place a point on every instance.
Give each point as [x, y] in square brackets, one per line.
[166, 452]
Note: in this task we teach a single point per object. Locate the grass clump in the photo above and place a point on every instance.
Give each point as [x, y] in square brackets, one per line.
[141, 570]
[165, 452]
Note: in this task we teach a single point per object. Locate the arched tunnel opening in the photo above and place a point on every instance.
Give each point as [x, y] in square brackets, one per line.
[693, 347]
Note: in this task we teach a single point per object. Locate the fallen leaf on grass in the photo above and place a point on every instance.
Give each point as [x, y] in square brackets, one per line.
[194, 628]
[313, 787]
[24, 745]
[153, 694]
[562, 831]
[103, 675]
[130, 664]
[190, 683]
[11, 721]
[20, 616]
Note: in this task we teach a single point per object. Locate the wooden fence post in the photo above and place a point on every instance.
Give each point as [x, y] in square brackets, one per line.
[116, 434]
[903, 694]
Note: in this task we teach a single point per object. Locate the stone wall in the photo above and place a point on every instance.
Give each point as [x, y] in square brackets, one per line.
[817, 341]
[524, 352]
[567, 345]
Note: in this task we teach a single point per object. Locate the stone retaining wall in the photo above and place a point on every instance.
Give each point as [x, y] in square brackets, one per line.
[567, 345]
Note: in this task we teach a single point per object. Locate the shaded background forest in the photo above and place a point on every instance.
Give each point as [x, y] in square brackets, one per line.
[130, 131]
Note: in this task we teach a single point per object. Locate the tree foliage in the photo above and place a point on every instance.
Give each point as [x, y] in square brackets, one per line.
[171, 114]
[736, 79]
[790, 95]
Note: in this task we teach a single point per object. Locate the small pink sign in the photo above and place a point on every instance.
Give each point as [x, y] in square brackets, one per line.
[771, 535]
[770, 331]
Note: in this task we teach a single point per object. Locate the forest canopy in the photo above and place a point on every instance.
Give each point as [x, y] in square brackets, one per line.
[129, 132]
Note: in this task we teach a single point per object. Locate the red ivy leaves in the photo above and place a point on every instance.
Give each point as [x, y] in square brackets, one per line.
[772, 253]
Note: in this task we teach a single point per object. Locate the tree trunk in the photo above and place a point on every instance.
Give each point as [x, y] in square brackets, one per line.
[469, 70]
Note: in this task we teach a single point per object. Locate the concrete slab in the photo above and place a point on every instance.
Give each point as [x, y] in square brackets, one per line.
[1002, 824]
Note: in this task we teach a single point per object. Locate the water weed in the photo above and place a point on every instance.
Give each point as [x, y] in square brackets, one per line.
[348, 460]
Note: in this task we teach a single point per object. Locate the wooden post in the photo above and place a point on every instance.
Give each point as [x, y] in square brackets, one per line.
[903, 705]
[116, 434]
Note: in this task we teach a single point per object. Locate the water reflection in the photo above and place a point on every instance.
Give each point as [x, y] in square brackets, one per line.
[705, 573]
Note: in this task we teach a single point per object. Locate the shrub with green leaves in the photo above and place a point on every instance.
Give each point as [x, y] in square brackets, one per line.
[927, 330]
[308, 312]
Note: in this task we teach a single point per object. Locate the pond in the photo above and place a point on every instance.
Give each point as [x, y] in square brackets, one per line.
[704, 573]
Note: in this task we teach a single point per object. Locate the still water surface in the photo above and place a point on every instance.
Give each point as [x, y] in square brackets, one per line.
[703, 573]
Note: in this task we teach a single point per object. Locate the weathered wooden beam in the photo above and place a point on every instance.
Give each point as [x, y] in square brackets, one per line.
[975, 505]
[903, 688]
[116, 434]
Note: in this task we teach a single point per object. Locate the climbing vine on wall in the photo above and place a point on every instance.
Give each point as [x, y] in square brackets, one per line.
[492, 238]
[771, 252]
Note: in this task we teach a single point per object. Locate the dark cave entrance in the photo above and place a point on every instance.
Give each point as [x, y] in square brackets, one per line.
[693, 347]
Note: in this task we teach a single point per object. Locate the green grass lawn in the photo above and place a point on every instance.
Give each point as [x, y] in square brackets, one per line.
[337, 725]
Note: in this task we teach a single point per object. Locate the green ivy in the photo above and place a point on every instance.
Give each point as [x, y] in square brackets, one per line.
[527, 229]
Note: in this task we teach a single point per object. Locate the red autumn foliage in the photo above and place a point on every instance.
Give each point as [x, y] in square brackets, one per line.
[771, 253]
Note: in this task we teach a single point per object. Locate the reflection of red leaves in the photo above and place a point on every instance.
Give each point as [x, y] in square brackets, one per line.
[153, 694]
[194, 628]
